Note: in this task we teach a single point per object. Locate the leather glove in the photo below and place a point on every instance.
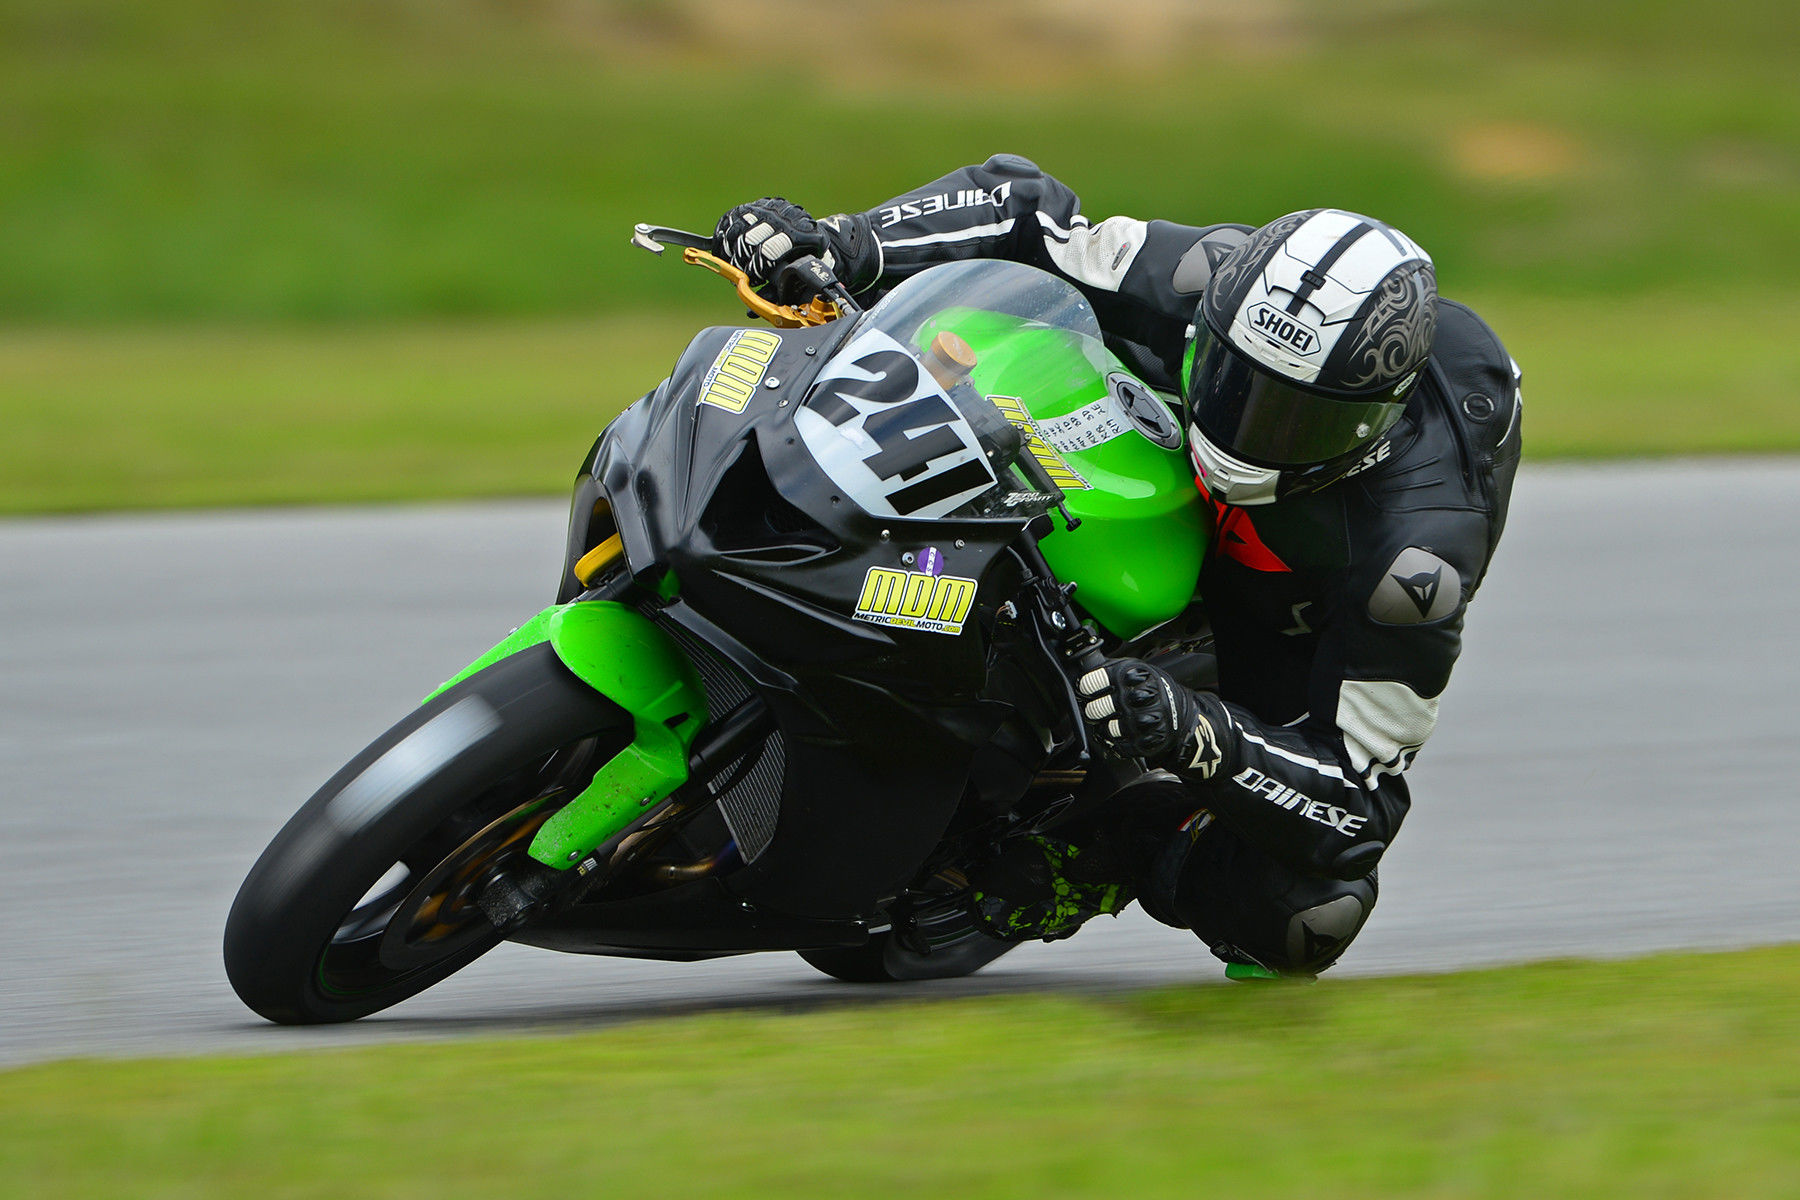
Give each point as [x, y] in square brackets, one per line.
[1137, 711]
[761, 237]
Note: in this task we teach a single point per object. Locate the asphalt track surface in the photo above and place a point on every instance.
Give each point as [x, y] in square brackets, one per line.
[1613, 773]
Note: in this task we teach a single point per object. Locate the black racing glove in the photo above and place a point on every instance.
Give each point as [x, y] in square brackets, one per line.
[764, 235]
[1137, 711]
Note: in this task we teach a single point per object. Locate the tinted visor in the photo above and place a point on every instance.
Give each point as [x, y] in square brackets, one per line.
[1271, 422]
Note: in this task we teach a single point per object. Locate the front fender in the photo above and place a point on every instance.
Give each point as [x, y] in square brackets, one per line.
[623, 656]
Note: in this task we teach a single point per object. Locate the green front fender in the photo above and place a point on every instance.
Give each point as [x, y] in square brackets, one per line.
[637, 666]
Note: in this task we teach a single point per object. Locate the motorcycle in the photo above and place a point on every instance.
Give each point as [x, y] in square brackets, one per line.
[810, 659]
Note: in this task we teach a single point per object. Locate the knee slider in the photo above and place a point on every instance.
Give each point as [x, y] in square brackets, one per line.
[1318, 935]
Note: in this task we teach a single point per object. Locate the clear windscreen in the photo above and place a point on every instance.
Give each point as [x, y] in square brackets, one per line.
[894, 420]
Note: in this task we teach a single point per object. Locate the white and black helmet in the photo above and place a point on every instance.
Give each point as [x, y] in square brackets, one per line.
[1307, 340]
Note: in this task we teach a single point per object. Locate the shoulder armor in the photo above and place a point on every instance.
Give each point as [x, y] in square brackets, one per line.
[1197, 265]
[1013, 164]
[1481, 382]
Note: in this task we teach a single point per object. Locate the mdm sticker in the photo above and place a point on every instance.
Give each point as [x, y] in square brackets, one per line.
[915, 600]
[736, 373]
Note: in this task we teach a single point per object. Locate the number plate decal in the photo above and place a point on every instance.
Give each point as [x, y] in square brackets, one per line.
[885, 433]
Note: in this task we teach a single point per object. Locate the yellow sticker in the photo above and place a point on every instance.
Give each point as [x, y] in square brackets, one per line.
[915, 600]
[1058, 468]
[740, 367]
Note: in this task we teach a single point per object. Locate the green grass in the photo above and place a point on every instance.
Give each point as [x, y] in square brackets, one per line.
[217, 159]
[1655, 374]
[100, 419]
[1661, 1078]
[133, 418]
[376, 249]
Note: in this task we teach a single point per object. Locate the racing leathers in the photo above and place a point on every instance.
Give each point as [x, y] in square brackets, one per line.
[1335, 616]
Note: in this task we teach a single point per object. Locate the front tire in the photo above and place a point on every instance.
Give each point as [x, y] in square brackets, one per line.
[371, 892]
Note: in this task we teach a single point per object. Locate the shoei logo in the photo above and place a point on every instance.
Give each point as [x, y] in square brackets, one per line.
[915, 600]
[740, 367]
[1283, 796]
[1277, 326]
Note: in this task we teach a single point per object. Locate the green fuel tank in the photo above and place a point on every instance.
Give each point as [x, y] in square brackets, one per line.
[1135, 557]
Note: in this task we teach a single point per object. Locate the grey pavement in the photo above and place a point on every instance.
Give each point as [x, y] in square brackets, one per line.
[1613, 774]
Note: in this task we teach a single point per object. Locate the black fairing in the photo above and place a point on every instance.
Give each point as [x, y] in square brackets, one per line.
[881, 724]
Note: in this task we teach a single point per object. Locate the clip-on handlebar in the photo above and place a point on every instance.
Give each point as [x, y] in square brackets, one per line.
[807, 276]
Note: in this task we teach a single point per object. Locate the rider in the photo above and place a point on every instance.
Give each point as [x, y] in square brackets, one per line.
[1356, 437]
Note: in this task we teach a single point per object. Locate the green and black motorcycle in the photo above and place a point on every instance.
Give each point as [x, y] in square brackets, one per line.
[825, 590]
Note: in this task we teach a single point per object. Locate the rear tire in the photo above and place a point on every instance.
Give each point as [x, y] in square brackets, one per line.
[369, 894]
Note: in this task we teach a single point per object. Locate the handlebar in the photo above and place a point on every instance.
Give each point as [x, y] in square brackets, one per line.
[830, 300]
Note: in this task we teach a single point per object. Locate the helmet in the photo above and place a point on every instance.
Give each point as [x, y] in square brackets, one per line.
[1306, 342]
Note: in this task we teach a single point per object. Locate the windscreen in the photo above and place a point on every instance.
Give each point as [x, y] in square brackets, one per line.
[894, 420]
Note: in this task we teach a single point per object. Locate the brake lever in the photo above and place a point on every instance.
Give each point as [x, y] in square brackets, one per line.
[657, 238]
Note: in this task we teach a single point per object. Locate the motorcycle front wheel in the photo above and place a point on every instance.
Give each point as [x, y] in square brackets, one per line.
[372, 892]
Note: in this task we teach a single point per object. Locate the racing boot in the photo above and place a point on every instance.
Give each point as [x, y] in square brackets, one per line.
[1039, 887]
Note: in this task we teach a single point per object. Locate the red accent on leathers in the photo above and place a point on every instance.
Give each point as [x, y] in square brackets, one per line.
[1238, 540]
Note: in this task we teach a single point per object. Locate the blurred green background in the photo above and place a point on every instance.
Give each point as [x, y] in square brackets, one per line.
[369, 249]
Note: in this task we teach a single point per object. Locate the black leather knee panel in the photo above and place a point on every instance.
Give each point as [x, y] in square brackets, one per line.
[1249, 908]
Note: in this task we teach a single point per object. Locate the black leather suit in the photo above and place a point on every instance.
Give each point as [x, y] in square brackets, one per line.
[1336, 615]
